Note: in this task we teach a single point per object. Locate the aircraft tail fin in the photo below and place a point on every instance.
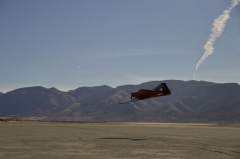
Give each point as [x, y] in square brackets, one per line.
[163, 87]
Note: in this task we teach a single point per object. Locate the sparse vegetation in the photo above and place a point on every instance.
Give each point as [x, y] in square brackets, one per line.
[28, 140]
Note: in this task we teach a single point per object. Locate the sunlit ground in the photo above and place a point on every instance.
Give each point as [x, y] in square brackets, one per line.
[38, 140]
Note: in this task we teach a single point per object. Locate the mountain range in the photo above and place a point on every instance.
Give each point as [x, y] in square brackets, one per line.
[191, 101]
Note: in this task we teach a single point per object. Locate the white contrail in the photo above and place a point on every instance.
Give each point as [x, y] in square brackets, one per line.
[218, 26]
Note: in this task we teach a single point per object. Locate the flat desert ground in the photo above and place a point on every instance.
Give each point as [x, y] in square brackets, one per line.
[46, 140]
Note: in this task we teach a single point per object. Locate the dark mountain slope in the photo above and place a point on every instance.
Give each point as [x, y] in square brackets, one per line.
[34, 101]
[190, 101]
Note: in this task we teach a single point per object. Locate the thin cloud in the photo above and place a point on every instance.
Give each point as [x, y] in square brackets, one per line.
[218, 27]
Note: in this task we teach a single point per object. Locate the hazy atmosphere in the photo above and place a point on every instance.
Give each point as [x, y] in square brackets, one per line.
[119, 79]
[71, 43]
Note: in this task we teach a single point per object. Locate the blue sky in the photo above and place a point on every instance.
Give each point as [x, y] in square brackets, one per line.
[72, 43]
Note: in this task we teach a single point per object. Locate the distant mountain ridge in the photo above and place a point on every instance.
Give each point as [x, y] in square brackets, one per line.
[191, 101]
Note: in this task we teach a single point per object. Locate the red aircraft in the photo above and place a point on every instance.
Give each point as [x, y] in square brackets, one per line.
[160, 90]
